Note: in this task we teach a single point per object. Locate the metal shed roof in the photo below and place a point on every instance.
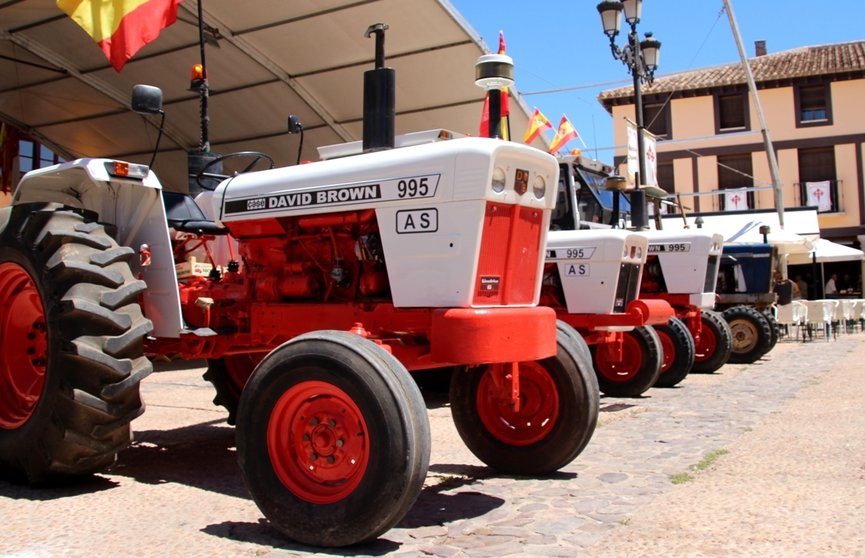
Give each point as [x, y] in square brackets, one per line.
[267, 59]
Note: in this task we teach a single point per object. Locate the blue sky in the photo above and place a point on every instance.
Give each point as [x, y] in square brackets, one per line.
[560, 43]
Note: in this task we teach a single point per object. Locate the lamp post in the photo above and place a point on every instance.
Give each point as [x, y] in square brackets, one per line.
[641, 59]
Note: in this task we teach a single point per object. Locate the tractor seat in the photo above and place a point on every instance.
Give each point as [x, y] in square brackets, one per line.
[184, 215]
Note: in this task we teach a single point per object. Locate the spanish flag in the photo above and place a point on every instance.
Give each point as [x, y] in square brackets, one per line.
[537, 124]
[121, 27]
[564, 134]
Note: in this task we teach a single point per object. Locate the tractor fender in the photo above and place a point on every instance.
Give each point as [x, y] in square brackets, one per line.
[133, 207]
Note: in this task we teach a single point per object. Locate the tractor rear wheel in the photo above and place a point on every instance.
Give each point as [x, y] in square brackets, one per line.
[713, 345]
[678, 349]
[71, 345]
[557, 416]
[752, 334]
[638, 369]
[228, 375]
[333, 439]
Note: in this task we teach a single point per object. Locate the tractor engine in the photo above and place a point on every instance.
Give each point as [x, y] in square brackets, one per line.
[326, 258]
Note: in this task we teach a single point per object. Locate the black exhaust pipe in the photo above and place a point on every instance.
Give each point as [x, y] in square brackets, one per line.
[379, 97]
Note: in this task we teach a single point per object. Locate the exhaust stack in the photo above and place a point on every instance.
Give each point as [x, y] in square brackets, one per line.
[379, 97]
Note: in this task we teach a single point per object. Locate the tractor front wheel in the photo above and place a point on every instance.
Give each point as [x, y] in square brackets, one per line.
[678, 349]
[713, 344]
[71, 345]
[333, 439]
[557, 414]
[752, 334]
[638, 368]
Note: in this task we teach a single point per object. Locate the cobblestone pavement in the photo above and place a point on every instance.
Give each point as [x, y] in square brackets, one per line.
[789, 478]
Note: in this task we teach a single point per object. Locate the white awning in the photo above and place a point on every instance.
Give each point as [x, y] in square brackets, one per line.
[827, 251]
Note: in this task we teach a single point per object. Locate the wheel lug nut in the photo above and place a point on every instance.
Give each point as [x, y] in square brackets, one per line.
[331, 423]
[313, 457]
[330, 459]
[340, 443]
[306, 437]
[313, 421]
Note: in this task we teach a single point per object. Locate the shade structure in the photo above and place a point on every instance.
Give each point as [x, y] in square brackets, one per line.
[825, 251]
[266, 59]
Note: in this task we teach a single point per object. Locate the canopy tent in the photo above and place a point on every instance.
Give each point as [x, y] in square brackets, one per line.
[266, 59]
[800, 231]
[825, 251]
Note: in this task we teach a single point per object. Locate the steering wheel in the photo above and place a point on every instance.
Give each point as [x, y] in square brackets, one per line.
[256, 157]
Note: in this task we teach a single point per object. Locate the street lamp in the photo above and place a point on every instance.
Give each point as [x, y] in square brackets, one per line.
[641, 59]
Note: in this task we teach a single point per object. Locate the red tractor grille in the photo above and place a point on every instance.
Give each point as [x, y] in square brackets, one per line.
[508, 262]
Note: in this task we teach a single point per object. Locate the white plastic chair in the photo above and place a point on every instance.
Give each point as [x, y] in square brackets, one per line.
[794, 314]
[845, 313]
[820, 313]
[856, 313]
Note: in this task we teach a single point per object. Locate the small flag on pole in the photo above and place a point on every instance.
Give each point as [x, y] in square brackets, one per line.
[121, 27]
[537, 124]
[564, 134]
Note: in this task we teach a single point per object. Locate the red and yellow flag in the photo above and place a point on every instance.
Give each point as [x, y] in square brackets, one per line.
[121, 27]
[537, 124]
[564, 134]
[505, 104]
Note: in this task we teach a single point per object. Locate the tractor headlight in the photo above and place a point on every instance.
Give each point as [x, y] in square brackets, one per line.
[499, 178]
[539, 187]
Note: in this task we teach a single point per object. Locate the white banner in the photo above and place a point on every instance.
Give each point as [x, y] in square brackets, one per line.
[650, 155]
[633, 161]
[819, 194]
[735, 199]
[649, 145]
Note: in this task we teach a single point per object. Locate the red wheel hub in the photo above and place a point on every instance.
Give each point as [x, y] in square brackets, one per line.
[23, 346]
[705, 344]
[623, 370]
[318, 442]
[668, 348]
[538, 410]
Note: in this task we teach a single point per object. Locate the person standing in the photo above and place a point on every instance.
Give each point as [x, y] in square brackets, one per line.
[803, 286]
[831, 290]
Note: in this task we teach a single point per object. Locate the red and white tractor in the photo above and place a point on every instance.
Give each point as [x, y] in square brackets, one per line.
[346, 274]
[682, 269]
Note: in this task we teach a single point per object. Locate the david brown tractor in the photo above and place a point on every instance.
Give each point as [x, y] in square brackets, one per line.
[348, 273]
[681, 268]
[592, 279]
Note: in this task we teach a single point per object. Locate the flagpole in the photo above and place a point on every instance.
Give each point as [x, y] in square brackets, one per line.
[752, 86]
[203, 90]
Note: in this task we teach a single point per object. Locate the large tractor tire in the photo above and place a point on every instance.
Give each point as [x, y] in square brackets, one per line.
[639, 368]
[228, 375]
[776, 327]
[333, 439]
[712, 347]
[752, 334]
[72, 345]
[558, 411]
[678, 348]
